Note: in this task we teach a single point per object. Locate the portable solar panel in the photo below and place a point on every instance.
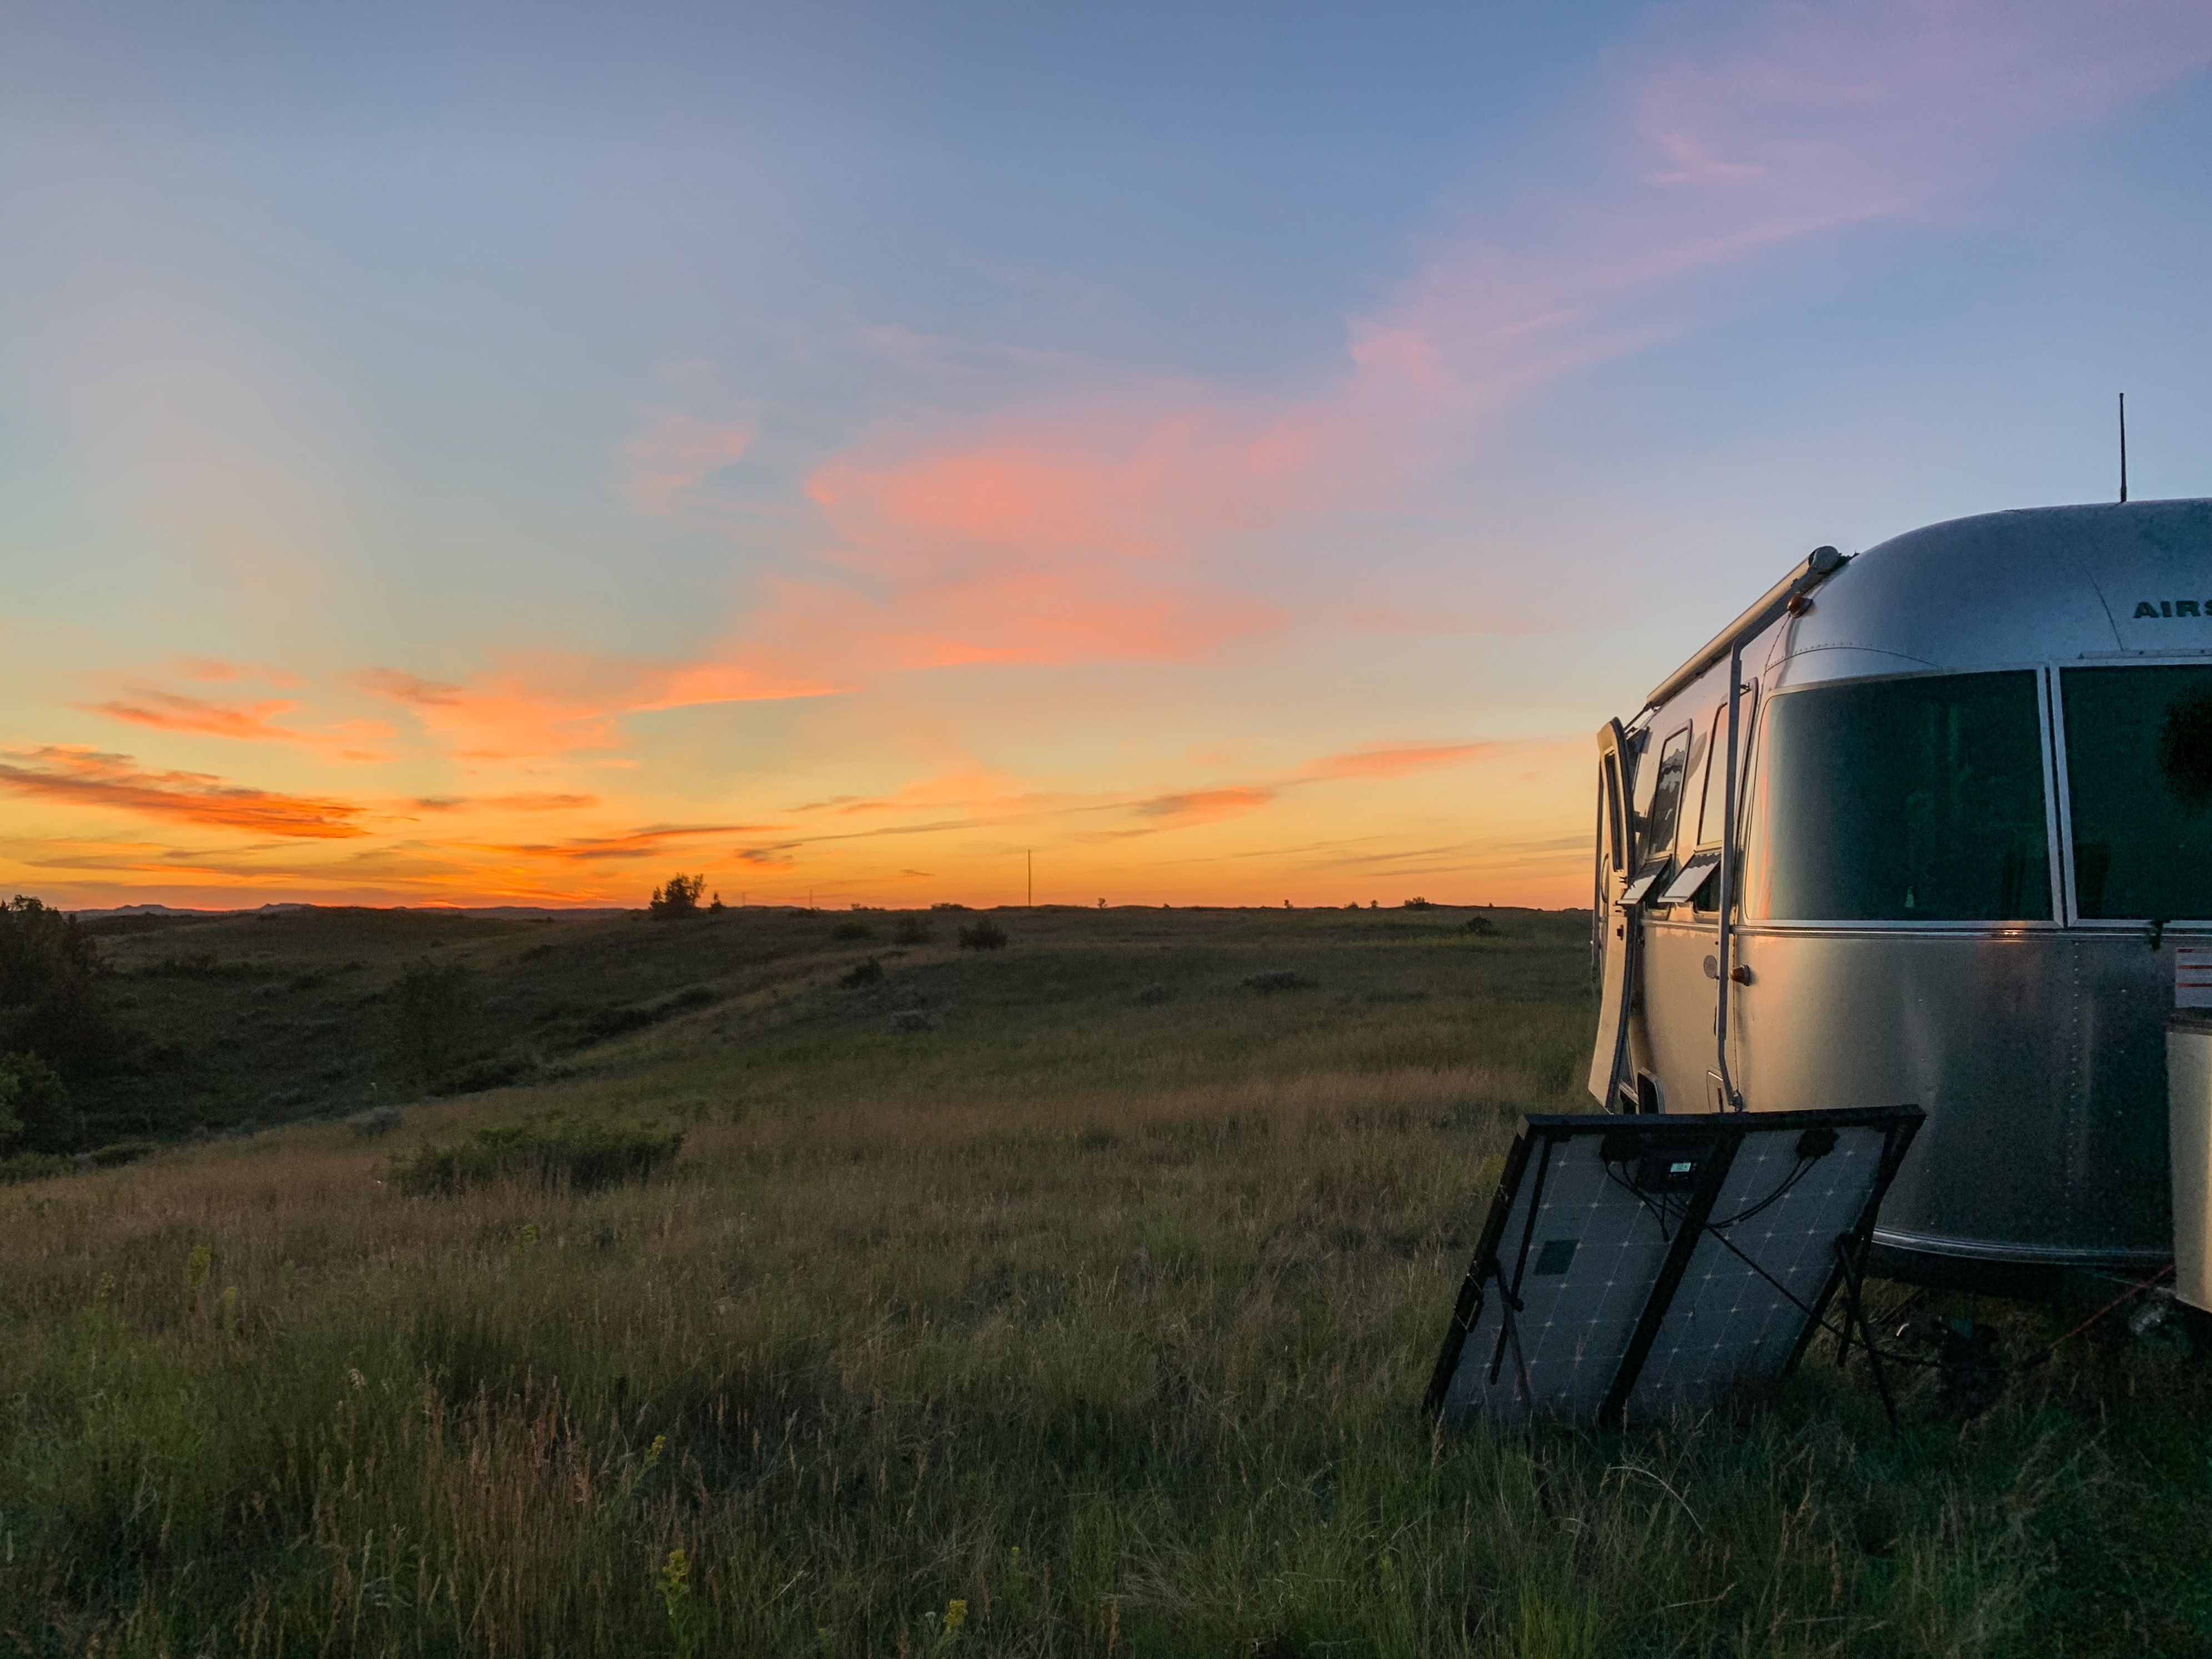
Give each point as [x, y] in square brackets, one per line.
[1631, 1264]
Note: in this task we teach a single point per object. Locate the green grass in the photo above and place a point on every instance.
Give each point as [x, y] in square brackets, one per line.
[1105, 1319]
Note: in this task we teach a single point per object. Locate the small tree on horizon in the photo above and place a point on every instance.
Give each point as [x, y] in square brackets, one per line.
[679, 898]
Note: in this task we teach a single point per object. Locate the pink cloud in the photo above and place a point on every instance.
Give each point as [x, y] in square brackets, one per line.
[173, 711]
[1390, 762]
[663, 467]
[1096, 526]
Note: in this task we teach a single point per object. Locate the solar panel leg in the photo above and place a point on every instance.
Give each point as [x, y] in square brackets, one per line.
[1854, 1312]
[1510, 1305]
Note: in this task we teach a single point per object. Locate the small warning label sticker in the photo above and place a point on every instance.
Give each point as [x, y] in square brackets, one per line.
[2192, 977]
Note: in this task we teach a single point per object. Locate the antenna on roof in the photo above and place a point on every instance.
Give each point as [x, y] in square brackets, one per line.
[2124, 446]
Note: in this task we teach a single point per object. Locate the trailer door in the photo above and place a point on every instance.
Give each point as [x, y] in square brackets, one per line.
[1615, 920]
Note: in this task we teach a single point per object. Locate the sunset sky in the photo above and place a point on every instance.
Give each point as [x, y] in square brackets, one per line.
[1239, 451]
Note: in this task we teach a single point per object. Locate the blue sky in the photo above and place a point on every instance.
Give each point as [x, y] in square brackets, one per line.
[482, 453]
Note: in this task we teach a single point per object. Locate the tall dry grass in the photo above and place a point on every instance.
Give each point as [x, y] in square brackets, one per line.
[1076, 1327]
[1141, 1380]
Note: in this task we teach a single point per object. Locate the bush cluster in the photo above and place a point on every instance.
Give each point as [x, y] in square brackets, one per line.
[680, 898]
[53, 1025]
[583, 1154]
[985, 935]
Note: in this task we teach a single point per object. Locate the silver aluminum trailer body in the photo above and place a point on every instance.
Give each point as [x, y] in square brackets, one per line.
[1971, 831]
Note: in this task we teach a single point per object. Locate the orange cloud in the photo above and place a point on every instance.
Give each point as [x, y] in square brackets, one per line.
[87, 777]
[547, 703]
[1394, 762]
[169, 711]
[173, 711]
[524, 802]
[1205, 805]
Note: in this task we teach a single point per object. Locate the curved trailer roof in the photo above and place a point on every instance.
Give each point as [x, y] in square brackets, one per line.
[2034, 585]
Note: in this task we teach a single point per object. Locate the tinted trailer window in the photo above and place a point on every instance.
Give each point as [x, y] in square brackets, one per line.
[1916, 800]
[2139, 779]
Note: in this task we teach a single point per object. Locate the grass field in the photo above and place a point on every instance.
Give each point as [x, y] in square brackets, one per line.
[1090, 1314]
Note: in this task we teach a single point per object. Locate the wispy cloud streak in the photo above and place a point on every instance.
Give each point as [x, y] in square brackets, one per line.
[87, 777]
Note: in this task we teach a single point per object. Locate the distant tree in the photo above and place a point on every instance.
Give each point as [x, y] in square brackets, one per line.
[432, 1006]
[34, 1113]
[51, 1000]
[717, 907]
[679, 898]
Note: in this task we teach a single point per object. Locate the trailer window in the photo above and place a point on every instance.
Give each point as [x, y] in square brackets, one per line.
[2139, 778]
[1667, 798]
[1915, 799]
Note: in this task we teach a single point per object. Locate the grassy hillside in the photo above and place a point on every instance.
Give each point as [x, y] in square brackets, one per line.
[267, 1018]
[1071, 1298]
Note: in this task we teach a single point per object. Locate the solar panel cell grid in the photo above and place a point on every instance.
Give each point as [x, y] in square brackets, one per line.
[1728, 1324]
[1633, 1270]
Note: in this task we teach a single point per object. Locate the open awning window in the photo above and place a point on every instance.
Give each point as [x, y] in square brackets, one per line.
[1691, 876]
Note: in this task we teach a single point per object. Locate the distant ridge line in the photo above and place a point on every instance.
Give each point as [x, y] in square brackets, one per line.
[476, 911]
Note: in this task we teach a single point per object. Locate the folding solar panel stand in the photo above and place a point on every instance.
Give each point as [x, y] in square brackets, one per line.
[1630, 1266]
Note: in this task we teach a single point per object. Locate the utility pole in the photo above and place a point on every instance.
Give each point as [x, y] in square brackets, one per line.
[1028, 855]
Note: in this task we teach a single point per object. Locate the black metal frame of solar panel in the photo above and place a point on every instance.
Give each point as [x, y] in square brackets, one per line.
[1725, 1133]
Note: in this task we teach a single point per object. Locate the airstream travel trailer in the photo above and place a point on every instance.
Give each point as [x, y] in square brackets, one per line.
[1933, 824]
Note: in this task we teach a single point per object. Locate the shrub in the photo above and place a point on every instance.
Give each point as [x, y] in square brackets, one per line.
[34, 1166]
[33, 1104]
[909, 1020]
[1154, 993]
[584, 1153]
[913, 930]
[985, 935]
[1418, 904]
[678, 899]
[1274, 979]
[852, 930]
[376, 1121]
[50, 1002]
[1479, 925]
[870, 972]
[943, 905]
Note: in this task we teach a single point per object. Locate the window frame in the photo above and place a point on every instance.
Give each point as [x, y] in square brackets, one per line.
[2057, 831]
[2063, 786]
[1657, 854]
